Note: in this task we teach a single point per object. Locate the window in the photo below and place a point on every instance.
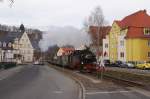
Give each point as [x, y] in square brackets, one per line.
[9, 44]
[149, 54]
[106, 45]
[4, 44]
[149, 43]
[146, 31]
[122, 54]
[122, 43]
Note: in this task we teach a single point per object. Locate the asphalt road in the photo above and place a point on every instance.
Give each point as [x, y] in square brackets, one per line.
[38, 82]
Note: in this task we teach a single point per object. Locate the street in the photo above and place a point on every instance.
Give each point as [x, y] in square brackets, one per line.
[38, 82]
[43, 82]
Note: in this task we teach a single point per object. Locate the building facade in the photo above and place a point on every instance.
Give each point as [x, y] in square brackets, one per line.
[95, 46]
[113, 41]
[16, 47]
[129, 38]
[26, 49]
[106, 47]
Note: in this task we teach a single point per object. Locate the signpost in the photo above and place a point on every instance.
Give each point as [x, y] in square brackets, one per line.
[100, 67]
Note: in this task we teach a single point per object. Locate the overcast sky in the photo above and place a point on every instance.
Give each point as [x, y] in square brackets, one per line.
[41, 13]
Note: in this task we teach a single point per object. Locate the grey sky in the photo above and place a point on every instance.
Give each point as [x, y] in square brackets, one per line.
[39, 13]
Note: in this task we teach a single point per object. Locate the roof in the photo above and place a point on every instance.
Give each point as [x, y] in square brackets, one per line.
[137, 19]
[10, 36]
[35, 39]
[65, 51]
[135, 23]
[104, 30]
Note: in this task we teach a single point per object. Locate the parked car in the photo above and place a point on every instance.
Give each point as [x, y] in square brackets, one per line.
[115, 64]
[107, 62]
[123, 65]
[131, 65]
[143, 65]
[148, 63]
[38, 63]
[127, 65]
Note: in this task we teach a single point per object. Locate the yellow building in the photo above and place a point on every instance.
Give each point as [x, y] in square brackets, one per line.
[113, 42]
[129, 39]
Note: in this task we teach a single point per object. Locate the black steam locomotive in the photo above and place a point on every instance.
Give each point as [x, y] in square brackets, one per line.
[79, 60]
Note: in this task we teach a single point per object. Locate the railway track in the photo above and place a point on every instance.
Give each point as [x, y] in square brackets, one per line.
[117, 80]
[123, 81]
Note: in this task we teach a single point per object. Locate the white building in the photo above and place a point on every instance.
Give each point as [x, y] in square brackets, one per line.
[121, 48]
[26, 49]
[16, 47]
[106, 48]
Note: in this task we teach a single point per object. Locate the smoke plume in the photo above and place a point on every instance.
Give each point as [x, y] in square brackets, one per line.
[61, 36]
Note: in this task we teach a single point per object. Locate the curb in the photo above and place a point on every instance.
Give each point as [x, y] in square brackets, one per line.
[81, 86]
[82, 92]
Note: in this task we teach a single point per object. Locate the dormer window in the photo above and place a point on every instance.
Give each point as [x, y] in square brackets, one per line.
[10, 45]
[146, 31]
[4, 44]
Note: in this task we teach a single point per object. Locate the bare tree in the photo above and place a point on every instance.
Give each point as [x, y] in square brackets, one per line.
[96, 18]
[11, 2]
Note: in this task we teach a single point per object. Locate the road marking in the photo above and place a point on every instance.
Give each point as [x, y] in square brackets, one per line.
[107, 92]
[141, 91]
[57, 92]
[90, 78]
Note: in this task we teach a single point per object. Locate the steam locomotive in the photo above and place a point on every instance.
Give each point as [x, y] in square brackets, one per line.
[78, 60]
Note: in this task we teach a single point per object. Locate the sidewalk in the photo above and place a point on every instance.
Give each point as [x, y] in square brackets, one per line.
[8, 72]
[92, 85]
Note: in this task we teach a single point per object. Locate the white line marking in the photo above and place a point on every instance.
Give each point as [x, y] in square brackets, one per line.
[107, 92]
[141, 91]
[57, 92]
[90, 78]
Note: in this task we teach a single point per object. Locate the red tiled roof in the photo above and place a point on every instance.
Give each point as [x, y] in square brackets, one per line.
[135, 23]
[67, 49]
[103, 30]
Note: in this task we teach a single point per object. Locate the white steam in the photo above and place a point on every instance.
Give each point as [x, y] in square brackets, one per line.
[64, 36]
